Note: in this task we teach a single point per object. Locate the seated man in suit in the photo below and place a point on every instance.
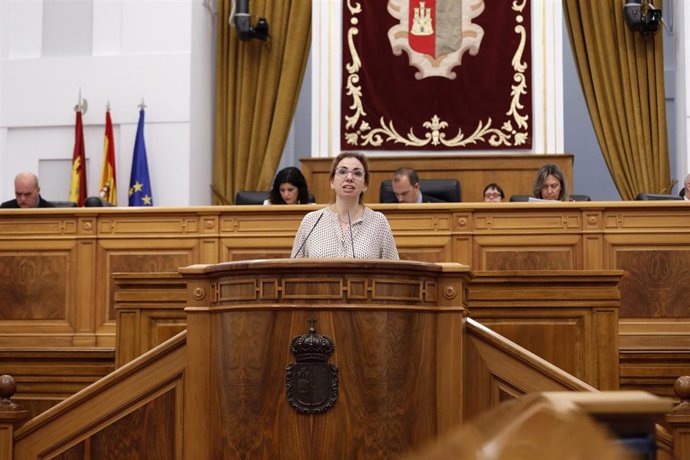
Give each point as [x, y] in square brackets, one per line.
[406, 187]
[27, 193]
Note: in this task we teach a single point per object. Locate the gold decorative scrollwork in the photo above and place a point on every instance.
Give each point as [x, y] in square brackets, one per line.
[512, 133]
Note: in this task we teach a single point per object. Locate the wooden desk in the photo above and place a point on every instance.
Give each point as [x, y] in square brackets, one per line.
[57, 263]
[513, 172]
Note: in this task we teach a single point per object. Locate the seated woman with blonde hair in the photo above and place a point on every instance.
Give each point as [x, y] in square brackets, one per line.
[551, 184]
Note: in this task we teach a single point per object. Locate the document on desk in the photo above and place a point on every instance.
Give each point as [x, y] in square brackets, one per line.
[540, 200]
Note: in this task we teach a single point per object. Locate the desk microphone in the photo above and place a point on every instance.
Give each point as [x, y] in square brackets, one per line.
[308, 235]
[352, 240]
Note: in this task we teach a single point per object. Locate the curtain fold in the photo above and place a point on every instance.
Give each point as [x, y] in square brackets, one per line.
[622, 76]
[257, 87]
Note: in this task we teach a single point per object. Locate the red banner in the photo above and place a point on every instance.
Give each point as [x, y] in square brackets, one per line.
[436, 75]
[77, 189]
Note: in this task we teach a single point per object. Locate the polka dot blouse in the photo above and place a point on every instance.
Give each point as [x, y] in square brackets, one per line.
[371, 234]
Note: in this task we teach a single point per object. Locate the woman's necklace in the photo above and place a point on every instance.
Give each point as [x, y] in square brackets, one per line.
[353, 217]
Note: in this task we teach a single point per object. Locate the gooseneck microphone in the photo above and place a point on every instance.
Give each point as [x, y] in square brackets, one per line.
[352, 240]
[308, 235]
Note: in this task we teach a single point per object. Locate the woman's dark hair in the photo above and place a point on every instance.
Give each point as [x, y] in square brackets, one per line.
[495, 186]
[555, 171]
[289, 175]
[358, 156]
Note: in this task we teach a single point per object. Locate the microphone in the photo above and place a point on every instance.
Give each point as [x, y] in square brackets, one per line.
[352, 240]
[308, 235]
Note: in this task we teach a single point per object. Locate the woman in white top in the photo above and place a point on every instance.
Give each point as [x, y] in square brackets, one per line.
[346, 228]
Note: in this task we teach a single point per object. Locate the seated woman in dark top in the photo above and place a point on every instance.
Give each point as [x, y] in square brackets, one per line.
[289, 187]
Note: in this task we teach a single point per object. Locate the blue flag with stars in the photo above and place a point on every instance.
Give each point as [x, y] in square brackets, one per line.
[139, 182]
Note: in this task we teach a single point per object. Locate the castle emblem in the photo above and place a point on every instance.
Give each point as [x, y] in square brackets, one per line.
[435, 34]
[422, 24]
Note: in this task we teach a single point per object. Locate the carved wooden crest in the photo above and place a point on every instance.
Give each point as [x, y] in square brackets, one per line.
[311, 384]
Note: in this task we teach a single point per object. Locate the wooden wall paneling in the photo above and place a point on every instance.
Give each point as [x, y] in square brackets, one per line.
[606, 348]
[150, 310]
[514, 172]
[127, 334]
[422, 234]
[592, 239]
[135, 255]
[654, 353]
[657, 281]
[260, 247]
[258, 235]
[39, 292]
[536, 252]
[553, 242]
[209, 230]
[46, 377]
[497, 369]
[462, 250]
[85, 287]
[132, 403]
[655, 333]
[154, 436]
[567, 318]
[559, 337]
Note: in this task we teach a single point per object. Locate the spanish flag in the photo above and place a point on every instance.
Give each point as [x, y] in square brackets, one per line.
[108, 187]
[77, 189]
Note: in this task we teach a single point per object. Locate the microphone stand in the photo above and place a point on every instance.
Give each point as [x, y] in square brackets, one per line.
[352, 240]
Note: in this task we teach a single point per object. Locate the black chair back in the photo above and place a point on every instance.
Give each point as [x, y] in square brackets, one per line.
[251, 197]
[96, 202]
[520, 198]
[656, 197]
[580, 198]
[433, 190]
[64, 204]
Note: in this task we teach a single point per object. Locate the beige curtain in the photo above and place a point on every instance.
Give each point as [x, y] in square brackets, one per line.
[257, 86]
[623, 81]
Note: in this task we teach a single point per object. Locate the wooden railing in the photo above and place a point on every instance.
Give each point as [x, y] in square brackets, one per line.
[139, 406]
[557, 426]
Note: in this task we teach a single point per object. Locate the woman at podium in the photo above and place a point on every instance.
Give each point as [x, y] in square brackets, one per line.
[346, 228]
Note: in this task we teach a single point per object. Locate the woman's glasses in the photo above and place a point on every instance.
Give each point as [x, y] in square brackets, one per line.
[356, 173]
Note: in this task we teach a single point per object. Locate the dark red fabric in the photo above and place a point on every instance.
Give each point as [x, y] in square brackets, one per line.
[391, 96]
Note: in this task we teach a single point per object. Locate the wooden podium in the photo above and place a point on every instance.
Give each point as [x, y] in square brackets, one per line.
[398, 332]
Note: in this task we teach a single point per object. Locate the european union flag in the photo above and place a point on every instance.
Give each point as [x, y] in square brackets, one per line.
[139, 182]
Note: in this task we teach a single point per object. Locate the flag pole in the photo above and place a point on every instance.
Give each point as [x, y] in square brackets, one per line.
[82, 105]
